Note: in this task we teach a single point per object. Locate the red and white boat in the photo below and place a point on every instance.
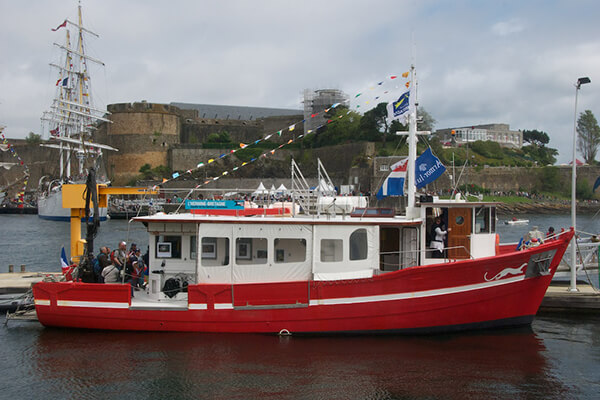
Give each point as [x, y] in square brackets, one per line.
[368, 271]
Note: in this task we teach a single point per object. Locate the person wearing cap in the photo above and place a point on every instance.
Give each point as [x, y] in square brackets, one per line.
[132, 250]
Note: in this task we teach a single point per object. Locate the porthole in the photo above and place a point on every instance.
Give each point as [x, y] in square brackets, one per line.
[460, 220]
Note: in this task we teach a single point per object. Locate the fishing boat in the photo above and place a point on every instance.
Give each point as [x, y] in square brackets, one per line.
[70, 122]
[321, 272]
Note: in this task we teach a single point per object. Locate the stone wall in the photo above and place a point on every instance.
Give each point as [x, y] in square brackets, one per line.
[493, 178]
[197, 130]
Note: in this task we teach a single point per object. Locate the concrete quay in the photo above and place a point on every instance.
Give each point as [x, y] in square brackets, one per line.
[559, 299]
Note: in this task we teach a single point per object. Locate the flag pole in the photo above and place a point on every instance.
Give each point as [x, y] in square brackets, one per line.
[412, 146]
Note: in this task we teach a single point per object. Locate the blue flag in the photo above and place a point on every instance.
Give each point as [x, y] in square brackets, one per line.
[596, 184]
[428, 169]
[397, 109]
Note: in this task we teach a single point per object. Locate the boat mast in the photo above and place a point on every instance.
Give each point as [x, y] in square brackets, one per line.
[411, 212]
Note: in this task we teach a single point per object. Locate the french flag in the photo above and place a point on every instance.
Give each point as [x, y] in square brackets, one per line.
[63, 258]
[394, 183]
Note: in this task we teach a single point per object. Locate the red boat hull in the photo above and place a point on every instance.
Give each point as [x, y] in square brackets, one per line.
[495, 291]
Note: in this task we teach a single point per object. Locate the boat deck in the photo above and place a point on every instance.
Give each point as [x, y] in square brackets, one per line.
[142, 301]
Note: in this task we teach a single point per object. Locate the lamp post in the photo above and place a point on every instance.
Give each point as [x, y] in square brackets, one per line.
[573, 288]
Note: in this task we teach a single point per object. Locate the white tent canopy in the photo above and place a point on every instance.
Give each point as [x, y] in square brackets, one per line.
[260, 190]
[282, 189]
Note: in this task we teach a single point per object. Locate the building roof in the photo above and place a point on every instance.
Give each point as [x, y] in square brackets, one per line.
[215, 111]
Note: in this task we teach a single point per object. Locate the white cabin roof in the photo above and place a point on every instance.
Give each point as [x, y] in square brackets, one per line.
[259, 219]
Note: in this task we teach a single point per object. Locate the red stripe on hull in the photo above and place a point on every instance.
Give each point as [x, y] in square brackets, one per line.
[440, 297]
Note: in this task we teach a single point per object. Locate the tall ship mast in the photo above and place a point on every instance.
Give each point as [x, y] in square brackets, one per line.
[71, 119]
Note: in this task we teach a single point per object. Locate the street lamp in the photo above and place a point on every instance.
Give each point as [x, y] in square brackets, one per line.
[573, 288]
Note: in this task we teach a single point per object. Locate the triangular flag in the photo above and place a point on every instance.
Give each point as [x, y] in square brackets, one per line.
[60, 26]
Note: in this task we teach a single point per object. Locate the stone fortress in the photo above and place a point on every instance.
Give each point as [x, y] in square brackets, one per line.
[172, 136]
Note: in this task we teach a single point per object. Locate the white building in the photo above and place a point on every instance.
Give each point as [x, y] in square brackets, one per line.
[500, 133]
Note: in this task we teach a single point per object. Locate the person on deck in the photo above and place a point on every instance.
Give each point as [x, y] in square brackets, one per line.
[132, 250]
[103, 262]
[438, 232]
[110, 274]
[119, 258]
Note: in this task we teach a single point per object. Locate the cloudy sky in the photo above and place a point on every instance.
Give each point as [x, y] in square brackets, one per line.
[478, 61]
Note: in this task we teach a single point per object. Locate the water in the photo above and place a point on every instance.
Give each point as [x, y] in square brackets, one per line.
[558, 357]
[35, 242]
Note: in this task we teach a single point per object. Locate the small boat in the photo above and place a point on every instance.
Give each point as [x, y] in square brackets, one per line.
[516, 221]
[327, 271]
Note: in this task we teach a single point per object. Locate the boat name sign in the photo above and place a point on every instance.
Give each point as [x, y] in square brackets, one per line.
[214, 204]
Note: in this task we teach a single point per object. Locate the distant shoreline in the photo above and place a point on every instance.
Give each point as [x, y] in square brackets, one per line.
[546, 208]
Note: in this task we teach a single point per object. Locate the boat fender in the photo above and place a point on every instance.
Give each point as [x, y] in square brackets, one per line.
[497, 244]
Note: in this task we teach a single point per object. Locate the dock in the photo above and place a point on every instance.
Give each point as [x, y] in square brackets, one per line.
[20, 282]
[559, 299]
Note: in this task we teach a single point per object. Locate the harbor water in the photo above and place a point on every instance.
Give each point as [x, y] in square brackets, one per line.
[558, 357]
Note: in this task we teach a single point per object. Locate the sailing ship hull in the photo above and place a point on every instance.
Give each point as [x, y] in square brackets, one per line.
[503, 290]
[50, 208]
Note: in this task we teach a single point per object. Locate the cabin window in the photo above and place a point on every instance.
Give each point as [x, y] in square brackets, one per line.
[168, 246]
[290, 250]
[193, 244]
[482, 220]
[251, 251]
[331, 250]
[358, 245]
[214, 251]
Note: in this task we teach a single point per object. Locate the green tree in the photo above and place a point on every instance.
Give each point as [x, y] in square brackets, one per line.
[374, 123]
[535, 137]
[220, 137]
[588, 135]
[33, 138]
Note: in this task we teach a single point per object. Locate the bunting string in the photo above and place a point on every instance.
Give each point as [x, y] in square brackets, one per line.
[290, 128]
[6, 146]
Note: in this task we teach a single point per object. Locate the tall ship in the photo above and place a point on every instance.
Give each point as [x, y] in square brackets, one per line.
[309, 268]
[70, 121]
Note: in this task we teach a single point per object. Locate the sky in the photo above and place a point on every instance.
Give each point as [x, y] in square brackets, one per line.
[478, 62]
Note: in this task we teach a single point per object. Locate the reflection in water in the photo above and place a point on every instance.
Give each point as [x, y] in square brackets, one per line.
[506, 363]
